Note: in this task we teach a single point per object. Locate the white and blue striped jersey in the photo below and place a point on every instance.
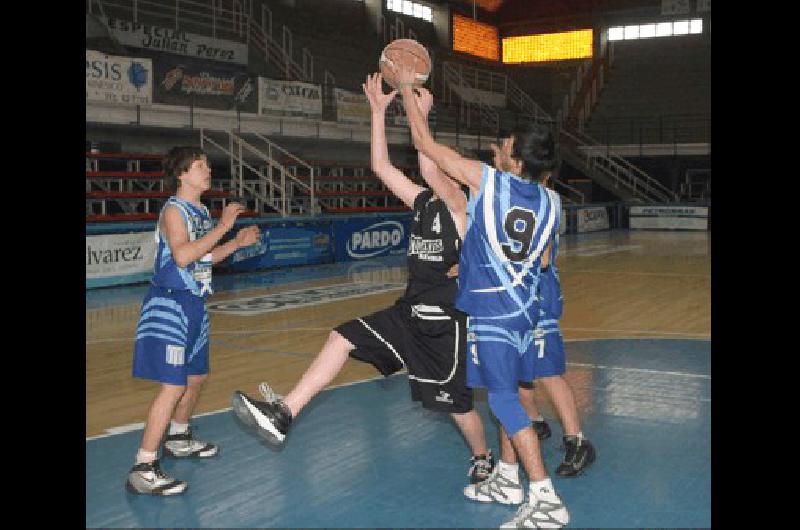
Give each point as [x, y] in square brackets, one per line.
[195, 277]
[509, 223]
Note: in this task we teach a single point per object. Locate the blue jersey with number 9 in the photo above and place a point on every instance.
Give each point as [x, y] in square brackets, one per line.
[509, 223]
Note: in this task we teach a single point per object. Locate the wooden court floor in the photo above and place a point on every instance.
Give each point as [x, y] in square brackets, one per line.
[619, 284]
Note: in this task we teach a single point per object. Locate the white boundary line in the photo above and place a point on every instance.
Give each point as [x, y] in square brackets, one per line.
[112, 431]
[675, 334]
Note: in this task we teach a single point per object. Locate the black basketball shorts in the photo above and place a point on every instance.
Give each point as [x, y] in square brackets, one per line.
[429, 341]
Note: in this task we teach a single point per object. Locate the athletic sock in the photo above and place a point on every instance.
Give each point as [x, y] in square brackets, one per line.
[177, 428]
[143, 456]
[509, 471]
[542, 489]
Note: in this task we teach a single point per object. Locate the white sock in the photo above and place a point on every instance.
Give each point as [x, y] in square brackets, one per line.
[509, 471]
[177, 428]
[538, 418]
[143, 456]
[542, 489]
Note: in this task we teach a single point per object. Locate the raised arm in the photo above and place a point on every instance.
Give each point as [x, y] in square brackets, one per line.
[462, 169]
[445, 187]
[394, 179]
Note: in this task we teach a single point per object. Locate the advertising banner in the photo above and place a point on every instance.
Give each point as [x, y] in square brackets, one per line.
[279, 246]
[289, 98]
[119, 258]
[592, 219]
[357, 239]
[352, 107]
[191, 82]
[146, 37]
[669, 217]
[121, 80]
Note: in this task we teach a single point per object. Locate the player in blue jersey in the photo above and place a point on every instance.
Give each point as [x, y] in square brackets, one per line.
[510, 221]
[172, 333]
[550, 365]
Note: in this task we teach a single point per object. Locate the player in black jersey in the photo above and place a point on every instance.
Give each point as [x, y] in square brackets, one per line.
[422, 331]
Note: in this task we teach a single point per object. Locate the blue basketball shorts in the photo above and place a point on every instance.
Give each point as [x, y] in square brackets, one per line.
[547, 352]
[498, 358]
[171, 337]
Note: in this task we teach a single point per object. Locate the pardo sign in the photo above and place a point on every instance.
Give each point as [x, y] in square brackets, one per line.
[375, 239]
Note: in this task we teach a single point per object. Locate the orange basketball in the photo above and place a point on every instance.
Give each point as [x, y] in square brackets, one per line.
[405, 52]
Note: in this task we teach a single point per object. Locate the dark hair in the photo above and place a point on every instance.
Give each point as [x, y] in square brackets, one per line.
[535, 146]
[178, 161]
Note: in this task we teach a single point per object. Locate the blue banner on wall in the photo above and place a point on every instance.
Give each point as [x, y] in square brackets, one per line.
[280, 246]
[357, 239]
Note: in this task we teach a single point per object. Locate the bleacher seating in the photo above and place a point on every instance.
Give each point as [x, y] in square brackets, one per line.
[130, 187]
[657, 91]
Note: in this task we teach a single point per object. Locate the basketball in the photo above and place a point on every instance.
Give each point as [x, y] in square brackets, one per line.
[405, 52]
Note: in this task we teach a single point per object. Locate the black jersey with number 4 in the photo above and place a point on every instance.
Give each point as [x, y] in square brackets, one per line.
[433, 248]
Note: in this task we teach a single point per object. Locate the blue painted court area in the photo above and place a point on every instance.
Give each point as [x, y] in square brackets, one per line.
[365, 456]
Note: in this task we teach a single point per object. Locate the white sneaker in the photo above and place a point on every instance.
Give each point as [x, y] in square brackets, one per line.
[148, 478]
[544, 510]
[183, 445]
[496, 488]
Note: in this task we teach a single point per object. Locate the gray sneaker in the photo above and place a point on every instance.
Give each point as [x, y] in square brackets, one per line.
[183, 445]
[496, 488]
[540, 513]
[148, 478]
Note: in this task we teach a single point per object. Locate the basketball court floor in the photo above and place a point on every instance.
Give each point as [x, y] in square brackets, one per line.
[637, 329]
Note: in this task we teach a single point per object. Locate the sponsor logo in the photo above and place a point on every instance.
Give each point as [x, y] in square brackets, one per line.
[204, 83]
[300, 298]
[137, 75]
[444, 397]
[175, 355]
[375, 239]
[426, 249]
[117, 255]
[592, 215]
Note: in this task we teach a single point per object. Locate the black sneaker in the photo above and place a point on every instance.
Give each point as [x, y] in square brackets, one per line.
[542, 429]
[184, 446]
[270, 419]
[580, 455]
[147, 478]
[481, 468]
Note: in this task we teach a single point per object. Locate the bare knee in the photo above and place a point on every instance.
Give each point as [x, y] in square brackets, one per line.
[336, 340]
[194, 382]
[171, 392]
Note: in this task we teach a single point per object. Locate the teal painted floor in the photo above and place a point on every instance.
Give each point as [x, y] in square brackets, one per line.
[364, 456]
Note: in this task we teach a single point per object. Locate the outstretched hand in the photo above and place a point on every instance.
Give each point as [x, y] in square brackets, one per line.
[424, 100]
[405, 74]
[373, 89]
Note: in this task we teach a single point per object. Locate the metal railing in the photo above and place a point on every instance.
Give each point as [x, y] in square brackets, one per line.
[276, 192]
[665, 129]
[217, 18]
[456, 77]
[620, 170]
